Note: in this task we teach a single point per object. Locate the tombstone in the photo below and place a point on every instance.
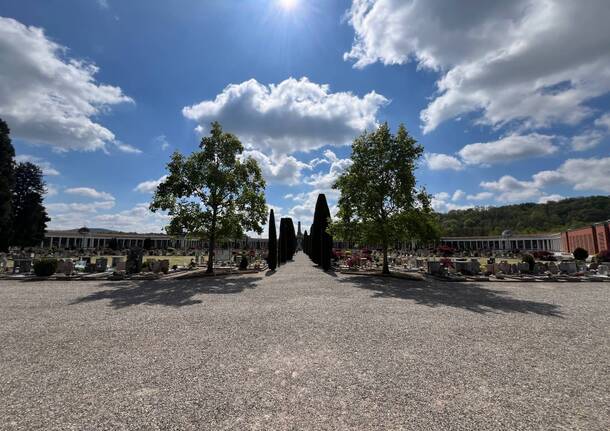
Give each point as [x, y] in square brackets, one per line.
[504, 267]
[101, 264]
[568, 267]
[120, 266]
[463, 267]
[475, 266]
[603, 269]
[491, 268]
[434, 268]
[89, 268]
[68, 267]
[24, 265]
[553, 268]
[134, 260]
[61, 267]
[539, 268]
[115, 261]
[523, 267]
[164, 266]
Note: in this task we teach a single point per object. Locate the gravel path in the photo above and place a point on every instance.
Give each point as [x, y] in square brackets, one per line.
[302, 349]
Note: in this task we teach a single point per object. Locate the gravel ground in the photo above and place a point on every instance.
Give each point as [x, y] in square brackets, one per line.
[302, 349]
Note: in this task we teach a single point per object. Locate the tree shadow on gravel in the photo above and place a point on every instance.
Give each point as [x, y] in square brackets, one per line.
[469, 296]
[173, 293]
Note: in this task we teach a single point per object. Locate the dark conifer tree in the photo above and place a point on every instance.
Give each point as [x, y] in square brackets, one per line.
[283, 241]
[321, 241]
[306, 243]
[291, 238]
[272, 254]
[29, 214]
[7, 171]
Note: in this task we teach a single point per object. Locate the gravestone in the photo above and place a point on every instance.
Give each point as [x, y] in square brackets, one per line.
[164, 264]
[68, 267]
[120, 266]
[89, 268]
[115, 261]
[101, 264]
[134, 260]
[553, 268]
[524, 267]
[567, 267]
[434, 268]
[23, 264]
[603, 269]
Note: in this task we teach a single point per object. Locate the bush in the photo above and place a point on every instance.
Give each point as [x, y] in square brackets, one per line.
[580, 254]
[604, 256]
[529, 259]
[45, 267]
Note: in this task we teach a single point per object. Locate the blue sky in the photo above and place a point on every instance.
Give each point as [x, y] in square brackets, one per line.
[509, 99]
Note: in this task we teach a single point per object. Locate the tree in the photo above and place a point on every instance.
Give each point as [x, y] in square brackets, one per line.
[29, 214]
[379, 202]
[291, 239]
[272, 247]
[7, 170]
[580, 254]
[148, 244]
[321, 241]
[283, 241]
[214, 193]
[306, 243]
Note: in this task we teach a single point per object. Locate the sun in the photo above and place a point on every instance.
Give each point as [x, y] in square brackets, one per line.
[288, 4]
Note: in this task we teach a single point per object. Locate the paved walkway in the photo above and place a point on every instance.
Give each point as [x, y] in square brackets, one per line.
[302, 349]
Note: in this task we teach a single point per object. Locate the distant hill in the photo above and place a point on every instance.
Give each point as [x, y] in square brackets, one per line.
[526, 218]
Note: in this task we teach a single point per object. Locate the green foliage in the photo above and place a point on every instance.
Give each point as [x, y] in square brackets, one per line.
[272, 247]
[379, 202]
[7, 170]
[243, 263]
[580, 254]
[29, 214]
[214, 193]
[45, 267]
[526, 218]
[529, 259]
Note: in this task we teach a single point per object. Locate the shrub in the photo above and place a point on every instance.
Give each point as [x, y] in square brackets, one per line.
[580, 254]
[45, 267]
[603, 256]
[529, 259]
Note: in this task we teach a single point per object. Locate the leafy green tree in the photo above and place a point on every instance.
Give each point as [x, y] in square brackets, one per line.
[29, 214]
[7, 170]
[272, 247]
[213, 194]
[379, 202]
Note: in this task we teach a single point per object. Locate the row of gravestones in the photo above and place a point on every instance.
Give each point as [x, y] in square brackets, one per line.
[473, 267]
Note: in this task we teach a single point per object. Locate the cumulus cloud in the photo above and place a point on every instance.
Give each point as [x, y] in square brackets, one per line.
[325, 180]
[510, 189]
[149, 186]
[294, 115]
[281, 169]
[135, 219]
[481, 196]
[79, 207]
[458, 195]
[550, 198]
[49, 98]
[508, 149]
[529, 62]
[438, 162]
[45, 166]
[89, 192]
[440, 203]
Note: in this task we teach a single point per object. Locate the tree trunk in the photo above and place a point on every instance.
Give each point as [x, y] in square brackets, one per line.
[211, 256]
[386, 268]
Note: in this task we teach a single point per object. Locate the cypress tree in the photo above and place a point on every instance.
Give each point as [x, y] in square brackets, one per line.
[29, 214]
[321, 241]
[7, 170]
[306, 243]
[283, 241]
[272, 252]
[291, 239]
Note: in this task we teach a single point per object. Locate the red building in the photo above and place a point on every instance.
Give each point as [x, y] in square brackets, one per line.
[594, 238]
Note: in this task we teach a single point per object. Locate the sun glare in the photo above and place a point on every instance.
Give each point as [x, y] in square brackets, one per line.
[288, 4]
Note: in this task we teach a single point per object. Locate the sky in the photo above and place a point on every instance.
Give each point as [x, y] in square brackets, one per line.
[510, 100]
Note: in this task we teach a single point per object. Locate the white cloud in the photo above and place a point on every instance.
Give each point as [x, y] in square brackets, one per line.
[582, 174]
[294, 115]
[51, 190]
[89, 192]
[510, 189]
[587, 140]
[161, 141]
[281, 169]
[126, 148]
[149, 186]
[324, 181]
[47, 168]
[550, 198]
[481, 196]
[437, 162]
[79, 207]
[528, 62]
[603, 121]
[508, 149]
[458, 195]
[49, 98]
[440, 203]
[103, 4]
[135, 219]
